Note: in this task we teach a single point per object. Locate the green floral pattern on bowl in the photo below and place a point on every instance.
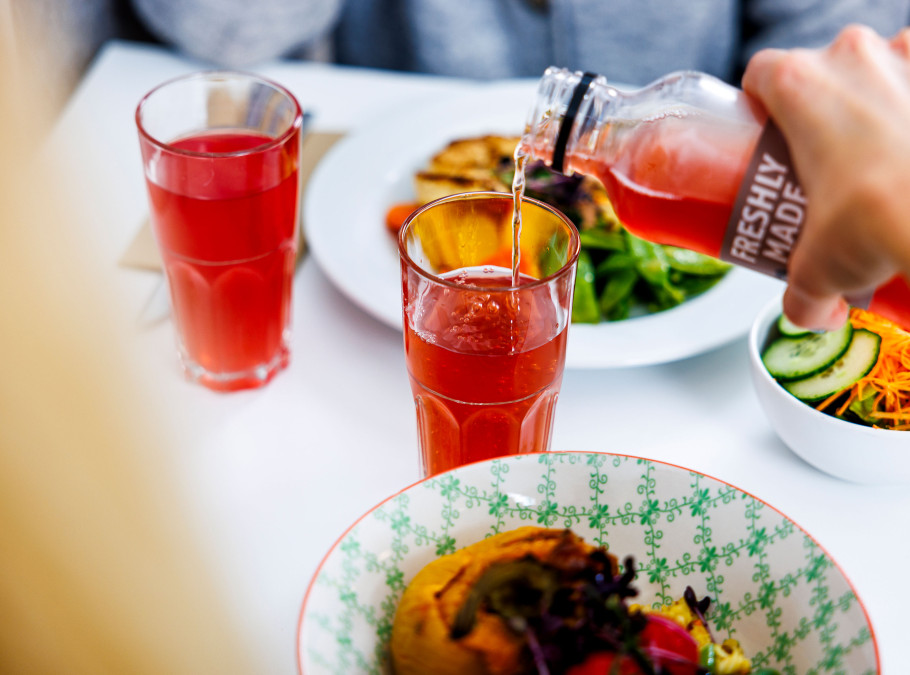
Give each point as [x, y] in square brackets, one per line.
[772, 587]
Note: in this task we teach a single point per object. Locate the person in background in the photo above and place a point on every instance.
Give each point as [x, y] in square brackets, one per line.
[845, 112]
[628, 41]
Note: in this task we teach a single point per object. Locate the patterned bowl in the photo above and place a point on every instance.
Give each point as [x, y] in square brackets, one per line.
[772, 586]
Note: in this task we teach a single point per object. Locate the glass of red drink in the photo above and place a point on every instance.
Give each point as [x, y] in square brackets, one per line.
[485, 354]
[221, 152]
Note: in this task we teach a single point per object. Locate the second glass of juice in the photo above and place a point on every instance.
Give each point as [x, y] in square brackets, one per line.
[221, 152]
[485, 350]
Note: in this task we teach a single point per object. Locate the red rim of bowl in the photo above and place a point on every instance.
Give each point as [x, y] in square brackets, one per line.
[322, 562]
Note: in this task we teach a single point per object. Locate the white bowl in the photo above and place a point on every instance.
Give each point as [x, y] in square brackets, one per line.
[773, 587]
[849, 451]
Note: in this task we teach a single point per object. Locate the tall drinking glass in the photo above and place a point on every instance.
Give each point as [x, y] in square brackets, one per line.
[221, 152]
[485, 356]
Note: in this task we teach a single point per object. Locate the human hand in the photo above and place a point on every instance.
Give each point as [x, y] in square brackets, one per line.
[845, 113]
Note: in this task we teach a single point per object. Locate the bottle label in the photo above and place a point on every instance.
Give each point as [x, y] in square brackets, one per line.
[769, 211]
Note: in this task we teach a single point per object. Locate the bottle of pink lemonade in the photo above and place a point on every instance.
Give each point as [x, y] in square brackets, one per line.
[688, 161]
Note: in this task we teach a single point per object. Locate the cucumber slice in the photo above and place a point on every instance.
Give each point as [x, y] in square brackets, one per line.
[790, 329]
[856, 363]
[789, 358]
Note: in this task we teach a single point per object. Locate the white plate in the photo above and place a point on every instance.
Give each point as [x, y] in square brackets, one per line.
[365, 173]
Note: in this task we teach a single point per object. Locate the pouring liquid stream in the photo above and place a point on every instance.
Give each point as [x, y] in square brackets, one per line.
[518, 192]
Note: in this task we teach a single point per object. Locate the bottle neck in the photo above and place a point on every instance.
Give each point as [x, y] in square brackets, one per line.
[577, 116]
[558, 159]
[571, 109]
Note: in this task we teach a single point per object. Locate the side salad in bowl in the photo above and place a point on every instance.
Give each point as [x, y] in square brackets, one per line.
[840, 400]
[859, 373]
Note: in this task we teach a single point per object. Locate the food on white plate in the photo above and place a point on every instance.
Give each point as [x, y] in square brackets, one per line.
[535, 600]
[465, 165]
[619, 275]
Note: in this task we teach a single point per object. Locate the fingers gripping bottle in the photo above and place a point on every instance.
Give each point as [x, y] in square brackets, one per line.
[688, 161]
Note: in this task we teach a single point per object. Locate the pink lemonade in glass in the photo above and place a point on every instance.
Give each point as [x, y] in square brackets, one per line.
[480, 393]
[485, 354]
[224, 206]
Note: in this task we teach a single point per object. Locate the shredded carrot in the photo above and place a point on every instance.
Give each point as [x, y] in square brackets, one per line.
[889, 379]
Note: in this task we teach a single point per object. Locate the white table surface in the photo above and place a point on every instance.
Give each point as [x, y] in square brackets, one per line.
[270, 478]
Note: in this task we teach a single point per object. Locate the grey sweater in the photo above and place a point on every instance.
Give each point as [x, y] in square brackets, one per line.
[632, 41]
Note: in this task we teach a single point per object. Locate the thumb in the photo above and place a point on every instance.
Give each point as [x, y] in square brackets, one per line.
[757, 78]
[816, 312]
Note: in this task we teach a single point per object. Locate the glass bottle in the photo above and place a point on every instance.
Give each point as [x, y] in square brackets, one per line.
[689, 161]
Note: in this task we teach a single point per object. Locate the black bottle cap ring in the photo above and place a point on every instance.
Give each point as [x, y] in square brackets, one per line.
[568, 120]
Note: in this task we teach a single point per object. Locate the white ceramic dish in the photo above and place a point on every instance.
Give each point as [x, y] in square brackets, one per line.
[849, 451]
[773, 587]
[365, 173]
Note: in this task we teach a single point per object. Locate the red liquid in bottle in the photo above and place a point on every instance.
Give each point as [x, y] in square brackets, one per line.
[675, 181]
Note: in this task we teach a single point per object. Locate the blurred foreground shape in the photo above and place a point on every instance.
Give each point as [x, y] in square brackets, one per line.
[99, 571]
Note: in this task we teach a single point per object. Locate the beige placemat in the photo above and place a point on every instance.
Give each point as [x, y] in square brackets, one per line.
[142, 252]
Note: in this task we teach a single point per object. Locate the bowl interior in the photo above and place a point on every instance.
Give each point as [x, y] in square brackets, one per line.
[772, 587]
[850, 451]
